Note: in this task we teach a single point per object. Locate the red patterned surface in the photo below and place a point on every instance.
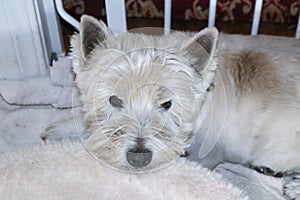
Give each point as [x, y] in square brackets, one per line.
[284, 11]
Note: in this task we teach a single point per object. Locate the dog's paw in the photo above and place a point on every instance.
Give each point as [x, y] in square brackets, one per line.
[60, 130]
[291, 186]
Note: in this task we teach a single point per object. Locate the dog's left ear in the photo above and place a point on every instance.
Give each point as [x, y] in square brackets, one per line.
[201, 49]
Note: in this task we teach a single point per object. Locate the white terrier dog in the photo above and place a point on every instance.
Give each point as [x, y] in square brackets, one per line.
[149, 99]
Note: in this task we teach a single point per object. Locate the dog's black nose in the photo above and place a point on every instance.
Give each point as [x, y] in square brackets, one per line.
[139, 157]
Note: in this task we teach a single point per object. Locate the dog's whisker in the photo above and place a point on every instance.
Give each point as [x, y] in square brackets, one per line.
[161, 145]
[162, 134]
[117, 130]
[165, 140]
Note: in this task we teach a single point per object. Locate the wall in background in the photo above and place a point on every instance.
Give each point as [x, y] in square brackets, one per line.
[21, 52]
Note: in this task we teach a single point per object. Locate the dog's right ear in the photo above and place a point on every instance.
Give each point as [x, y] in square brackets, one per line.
[92, 33]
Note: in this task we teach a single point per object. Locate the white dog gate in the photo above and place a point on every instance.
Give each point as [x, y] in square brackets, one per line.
[31, 36]
[116, 16]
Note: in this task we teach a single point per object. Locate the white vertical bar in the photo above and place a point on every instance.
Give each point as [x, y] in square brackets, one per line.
[50, 30]
[167, 17]
[66, 16]
[212, 13]
[298, 28]
[116, 15]
[256, 18]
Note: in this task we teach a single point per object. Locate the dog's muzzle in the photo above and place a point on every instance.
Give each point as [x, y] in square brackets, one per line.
[139, 157]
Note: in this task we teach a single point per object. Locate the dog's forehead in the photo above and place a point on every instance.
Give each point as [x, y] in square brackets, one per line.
[139, 52]
[138, 67]
[151, 82]
[130, 41]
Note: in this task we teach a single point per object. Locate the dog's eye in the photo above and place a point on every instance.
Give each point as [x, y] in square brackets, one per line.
[166, 105]
[116, 101]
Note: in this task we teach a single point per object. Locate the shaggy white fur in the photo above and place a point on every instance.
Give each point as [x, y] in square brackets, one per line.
[68, 171]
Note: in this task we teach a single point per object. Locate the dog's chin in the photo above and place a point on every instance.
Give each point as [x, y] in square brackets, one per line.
[134, 155]
[121, 164]
[149, 168]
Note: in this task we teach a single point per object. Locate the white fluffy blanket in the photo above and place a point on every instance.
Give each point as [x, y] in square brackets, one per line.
[68, 171]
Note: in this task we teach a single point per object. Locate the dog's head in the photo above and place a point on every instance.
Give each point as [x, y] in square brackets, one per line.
[142, 94]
